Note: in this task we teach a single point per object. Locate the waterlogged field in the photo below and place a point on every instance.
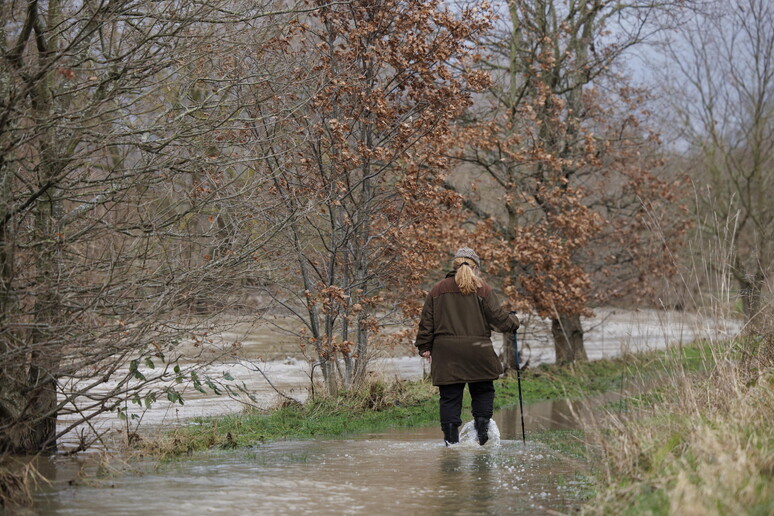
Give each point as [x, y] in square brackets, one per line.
[268, 354]
[385, 461]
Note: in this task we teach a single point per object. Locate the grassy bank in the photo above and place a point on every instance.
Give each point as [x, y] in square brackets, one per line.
[702, 444]
[404, 404]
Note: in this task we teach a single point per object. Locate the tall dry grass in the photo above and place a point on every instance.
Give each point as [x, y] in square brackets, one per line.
[18, 480]
[701, 443]
[705, 446]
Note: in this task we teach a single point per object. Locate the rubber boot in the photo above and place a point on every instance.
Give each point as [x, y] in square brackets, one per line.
[451, 433]
[482, 429]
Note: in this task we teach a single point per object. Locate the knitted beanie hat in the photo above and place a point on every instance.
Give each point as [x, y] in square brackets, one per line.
[467, 252]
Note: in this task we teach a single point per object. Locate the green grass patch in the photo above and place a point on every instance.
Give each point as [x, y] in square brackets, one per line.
[380, 406]
[407, 404]
[570, 443]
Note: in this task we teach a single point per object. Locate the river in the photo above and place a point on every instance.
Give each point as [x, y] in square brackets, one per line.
[610, 333]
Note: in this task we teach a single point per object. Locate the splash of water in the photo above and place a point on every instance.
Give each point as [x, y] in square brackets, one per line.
[469, 436]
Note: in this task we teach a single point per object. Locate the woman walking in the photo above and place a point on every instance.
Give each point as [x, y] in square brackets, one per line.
[455, 329]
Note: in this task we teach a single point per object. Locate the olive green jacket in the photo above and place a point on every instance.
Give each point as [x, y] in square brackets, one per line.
[456, 329]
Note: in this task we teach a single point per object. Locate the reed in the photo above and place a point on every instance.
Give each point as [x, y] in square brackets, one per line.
[703, 443]
[18, 480]
[704, 446]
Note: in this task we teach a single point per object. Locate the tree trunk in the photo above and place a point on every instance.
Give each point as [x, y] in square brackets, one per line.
[362, 351]
[31, 426]
[567, 331]
[329, 371]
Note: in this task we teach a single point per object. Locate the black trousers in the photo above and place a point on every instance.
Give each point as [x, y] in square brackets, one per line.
[481, 393]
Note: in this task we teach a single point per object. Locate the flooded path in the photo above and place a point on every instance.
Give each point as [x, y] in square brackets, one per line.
[365, 476]
[406, 471]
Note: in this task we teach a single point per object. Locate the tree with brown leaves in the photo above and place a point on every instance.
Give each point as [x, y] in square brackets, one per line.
[559, 140]
[357, 167]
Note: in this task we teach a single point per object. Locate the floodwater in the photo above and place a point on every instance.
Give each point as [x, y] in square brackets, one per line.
[402, 471]
[405, 471]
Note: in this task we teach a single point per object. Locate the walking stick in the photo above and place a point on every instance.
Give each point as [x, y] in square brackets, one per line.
[518, 376]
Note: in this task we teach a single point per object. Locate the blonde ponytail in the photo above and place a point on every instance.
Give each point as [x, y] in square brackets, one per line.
[465, 277]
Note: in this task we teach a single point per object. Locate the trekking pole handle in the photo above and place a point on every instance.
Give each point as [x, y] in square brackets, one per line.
[516, 345]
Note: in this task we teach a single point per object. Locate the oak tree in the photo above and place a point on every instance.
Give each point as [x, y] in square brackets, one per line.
[561, 140]
[358, 168]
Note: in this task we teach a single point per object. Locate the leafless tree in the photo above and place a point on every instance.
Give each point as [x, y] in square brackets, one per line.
[718, 72]
[128, 207]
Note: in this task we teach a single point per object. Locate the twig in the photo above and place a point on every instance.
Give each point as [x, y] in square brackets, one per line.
[252, 366]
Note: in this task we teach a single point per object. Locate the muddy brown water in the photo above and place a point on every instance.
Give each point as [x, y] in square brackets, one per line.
[400, 471]
[609, 334]
[405, 471]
